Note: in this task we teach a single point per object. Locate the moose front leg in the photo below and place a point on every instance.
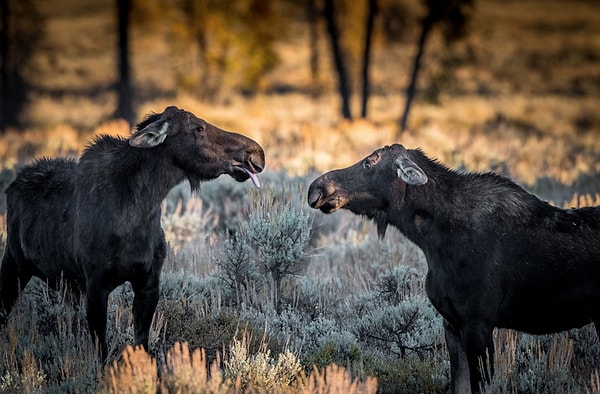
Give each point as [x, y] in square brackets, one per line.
[478, 345]
[459, 365]
[96, 304]
[144, 305]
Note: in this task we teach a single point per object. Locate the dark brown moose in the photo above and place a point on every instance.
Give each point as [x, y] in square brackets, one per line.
[497, 256]
[96, 222]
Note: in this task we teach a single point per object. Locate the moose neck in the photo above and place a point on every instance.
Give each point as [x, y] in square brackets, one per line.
[155, 176]
[424, 210]
[451, 203]
[132, 177]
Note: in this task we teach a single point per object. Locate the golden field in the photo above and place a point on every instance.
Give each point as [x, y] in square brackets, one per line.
[519, 94]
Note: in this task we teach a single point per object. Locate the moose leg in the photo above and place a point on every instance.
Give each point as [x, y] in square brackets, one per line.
[479, 346]
[96, 301]
[12, 281]
[144, 305]
[459, 366]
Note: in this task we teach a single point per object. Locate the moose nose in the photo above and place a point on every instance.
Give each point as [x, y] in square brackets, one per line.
[314, 196]
[256, 164]
[313, 200]
[254, 157]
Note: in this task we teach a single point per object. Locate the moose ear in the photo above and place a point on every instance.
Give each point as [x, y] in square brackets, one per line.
[409, 171]
[150, 136]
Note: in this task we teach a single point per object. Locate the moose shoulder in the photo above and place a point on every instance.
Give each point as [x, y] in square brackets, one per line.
[497, 255]
[95, 222]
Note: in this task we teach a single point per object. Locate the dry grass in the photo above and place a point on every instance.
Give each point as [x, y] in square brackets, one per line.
[30, 380]
[334, 380]
[580, 201]
[594, 386]
[135, 373]
[187, 371]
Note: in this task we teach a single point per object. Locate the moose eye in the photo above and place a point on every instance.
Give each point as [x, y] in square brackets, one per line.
[200, 128]
[368, 163]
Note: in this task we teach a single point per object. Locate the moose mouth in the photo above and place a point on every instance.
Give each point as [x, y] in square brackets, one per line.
[242, 172]
[252, 176]
[327, 204]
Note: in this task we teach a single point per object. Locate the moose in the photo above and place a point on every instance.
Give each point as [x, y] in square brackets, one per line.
[497, 255]
[95, 222]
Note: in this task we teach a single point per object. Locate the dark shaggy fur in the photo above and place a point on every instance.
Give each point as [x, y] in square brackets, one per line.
[497, 255]
[96, 222]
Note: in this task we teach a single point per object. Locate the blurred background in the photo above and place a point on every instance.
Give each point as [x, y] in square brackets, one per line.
[511, 86]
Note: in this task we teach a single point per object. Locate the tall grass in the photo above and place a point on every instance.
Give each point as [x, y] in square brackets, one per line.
[335, 310]
[188, 371]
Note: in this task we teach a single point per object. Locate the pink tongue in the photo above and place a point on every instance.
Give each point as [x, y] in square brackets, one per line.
[254, 178]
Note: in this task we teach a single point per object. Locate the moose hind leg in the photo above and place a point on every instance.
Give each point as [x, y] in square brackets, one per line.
[144, 306]
[12, 281]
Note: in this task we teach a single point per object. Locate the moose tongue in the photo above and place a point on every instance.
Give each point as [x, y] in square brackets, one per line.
[253, 177]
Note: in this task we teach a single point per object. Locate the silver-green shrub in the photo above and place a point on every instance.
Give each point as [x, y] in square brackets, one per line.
[409, 327]
[237, 269]
[278, 230]
[45, 346]
[543, 364]
[398, 316]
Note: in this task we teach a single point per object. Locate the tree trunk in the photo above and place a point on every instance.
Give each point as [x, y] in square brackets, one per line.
[22, 34]
[313, 37]
[125, 105]
[410, 92]
[4, 71]
[371, 12]
[338, 58]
